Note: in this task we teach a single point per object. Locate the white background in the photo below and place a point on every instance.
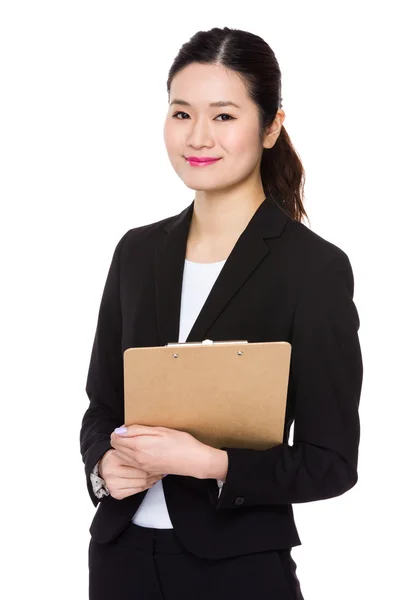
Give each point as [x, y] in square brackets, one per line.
[83, 101]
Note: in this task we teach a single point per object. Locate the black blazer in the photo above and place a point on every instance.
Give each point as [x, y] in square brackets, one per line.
[281, 282]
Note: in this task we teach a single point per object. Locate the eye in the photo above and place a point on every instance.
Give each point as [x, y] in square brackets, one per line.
[221, 115]
[226, 115]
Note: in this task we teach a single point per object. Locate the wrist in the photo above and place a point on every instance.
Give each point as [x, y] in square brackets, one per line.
[99, 486]
[216, 464]
[100, 463]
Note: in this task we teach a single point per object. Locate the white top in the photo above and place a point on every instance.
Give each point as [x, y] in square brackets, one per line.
[198, 280]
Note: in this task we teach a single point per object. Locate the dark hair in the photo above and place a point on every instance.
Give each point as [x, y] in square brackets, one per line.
[282, 173]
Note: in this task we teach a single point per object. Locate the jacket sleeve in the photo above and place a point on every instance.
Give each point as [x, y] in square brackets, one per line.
[104, 385]
[325, 383]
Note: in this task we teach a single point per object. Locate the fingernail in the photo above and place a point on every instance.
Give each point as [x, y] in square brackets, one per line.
[121, 429]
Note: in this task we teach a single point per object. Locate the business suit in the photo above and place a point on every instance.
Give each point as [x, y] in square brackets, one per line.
[280, 282]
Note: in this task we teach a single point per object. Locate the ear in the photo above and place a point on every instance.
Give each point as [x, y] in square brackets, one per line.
[274, 129]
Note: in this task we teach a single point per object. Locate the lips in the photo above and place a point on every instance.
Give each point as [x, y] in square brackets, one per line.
[201, 161]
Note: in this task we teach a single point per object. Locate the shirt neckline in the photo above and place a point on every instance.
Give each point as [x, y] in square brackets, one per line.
[219, 262]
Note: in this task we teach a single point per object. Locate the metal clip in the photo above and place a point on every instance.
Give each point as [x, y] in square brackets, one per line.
[206, 342]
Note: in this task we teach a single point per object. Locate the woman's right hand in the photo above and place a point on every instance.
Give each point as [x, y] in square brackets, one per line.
[124, 480]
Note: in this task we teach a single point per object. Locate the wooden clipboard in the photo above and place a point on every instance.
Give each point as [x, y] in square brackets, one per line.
[223, 393]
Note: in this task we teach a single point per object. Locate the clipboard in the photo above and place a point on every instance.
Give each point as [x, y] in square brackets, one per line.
[229, 393]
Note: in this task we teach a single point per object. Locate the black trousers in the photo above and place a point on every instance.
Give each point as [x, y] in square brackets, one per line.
[150, 564]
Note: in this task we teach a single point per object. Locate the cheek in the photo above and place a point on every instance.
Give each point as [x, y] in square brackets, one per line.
[166, 135]
[240, 144]
[169, 136]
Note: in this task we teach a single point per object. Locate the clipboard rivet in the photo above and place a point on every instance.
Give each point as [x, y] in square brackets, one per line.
[175, 355]
[239, 352]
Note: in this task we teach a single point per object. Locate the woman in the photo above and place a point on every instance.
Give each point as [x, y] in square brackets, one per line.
[237, 264]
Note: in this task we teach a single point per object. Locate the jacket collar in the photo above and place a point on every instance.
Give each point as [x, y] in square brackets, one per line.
[250, 249]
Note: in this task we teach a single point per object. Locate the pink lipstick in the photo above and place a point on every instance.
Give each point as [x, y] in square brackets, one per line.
[200, 162]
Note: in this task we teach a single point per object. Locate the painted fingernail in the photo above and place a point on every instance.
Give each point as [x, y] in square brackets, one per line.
[121, 429]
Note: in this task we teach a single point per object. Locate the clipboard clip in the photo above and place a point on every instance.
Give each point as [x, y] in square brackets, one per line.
[207, 342]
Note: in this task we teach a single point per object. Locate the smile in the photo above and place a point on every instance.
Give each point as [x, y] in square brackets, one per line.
[201, 163]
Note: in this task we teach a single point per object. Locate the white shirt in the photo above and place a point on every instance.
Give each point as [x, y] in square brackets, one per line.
[198, 280]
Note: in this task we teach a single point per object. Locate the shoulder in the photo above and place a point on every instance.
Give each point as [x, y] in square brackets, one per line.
[312, 262]
[142, 238]
[313, 250]
[310, 250]
[317, 249]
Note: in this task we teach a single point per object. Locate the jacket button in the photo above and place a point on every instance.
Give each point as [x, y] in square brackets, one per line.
[240, 500]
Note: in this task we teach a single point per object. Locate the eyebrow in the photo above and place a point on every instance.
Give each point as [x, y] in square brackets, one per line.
[220, 103]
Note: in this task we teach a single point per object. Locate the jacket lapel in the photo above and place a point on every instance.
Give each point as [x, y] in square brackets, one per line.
[250, 249]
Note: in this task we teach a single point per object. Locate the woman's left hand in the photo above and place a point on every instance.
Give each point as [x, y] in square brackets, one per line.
[160, 450]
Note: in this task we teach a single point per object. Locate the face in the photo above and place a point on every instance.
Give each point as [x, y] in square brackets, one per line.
[196, 129]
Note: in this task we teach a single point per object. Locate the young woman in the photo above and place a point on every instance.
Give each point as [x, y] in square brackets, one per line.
[236, 264]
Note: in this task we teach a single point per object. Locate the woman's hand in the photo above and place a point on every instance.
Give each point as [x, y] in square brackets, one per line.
[123, 480]
[162, 450]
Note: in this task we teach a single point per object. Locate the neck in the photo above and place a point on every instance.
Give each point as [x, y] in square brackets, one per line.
[223, 216]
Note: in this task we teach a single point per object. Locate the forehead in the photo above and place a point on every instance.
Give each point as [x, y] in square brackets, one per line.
[200, 85]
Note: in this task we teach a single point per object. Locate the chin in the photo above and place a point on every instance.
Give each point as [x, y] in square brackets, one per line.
[203, 188]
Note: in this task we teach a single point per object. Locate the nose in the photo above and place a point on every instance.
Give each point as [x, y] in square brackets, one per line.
[200, 134]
